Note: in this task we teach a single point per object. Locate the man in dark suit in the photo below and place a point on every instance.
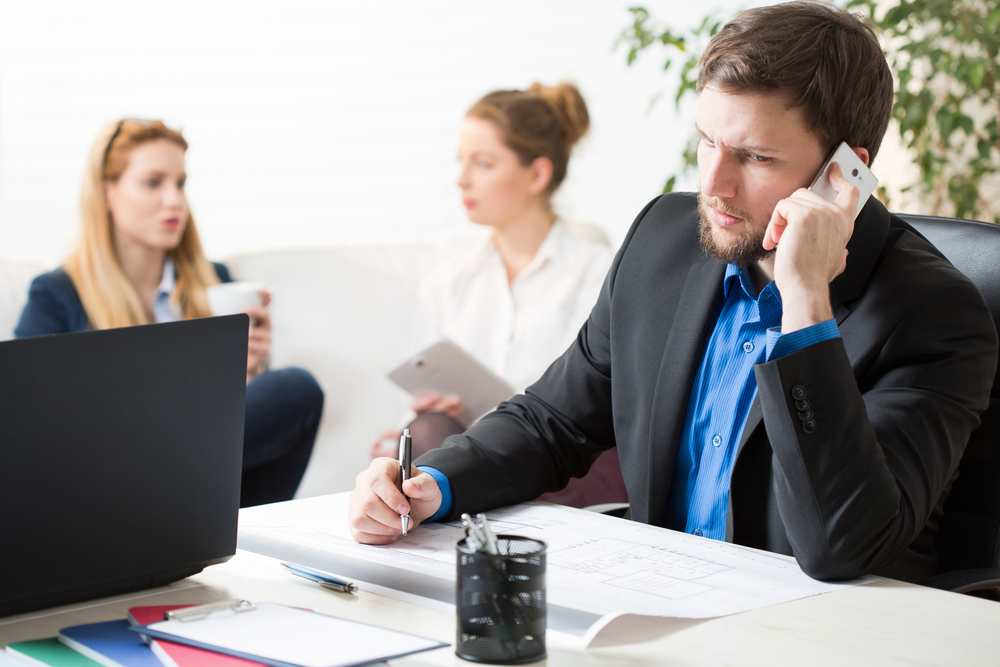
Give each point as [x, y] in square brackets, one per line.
[771, 371]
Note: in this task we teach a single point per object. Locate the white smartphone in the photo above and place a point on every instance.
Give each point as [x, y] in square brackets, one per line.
[854, 170]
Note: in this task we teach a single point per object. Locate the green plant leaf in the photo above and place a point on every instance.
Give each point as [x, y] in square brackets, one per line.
[983, 148]
[993, 21]
[976, 75]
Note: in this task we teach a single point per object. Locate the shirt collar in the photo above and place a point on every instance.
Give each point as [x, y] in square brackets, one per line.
[548, 250]
[165, 307]
[769, 297]
[169, 280]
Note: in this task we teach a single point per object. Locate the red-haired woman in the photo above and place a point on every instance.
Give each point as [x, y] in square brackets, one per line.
[516, 296]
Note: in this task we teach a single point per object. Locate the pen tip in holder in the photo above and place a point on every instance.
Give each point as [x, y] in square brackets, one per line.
[500, 602]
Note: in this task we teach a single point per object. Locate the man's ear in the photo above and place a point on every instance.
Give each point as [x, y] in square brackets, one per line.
[862, 153]
[540, 176]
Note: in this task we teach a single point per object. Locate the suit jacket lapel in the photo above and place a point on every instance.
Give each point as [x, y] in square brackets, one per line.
[692, 320]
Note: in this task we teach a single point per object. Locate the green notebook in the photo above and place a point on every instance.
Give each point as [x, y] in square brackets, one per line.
[49, 653]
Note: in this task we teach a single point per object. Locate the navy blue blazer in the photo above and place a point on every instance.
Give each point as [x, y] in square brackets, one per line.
[54, 305]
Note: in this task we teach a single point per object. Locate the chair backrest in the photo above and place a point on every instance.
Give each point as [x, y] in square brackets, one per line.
[969, 533]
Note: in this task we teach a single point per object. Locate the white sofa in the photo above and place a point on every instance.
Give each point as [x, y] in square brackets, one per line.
[341, 312]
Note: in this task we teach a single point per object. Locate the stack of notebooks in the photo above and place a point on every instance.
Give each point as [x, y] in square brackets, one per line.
[238, 634]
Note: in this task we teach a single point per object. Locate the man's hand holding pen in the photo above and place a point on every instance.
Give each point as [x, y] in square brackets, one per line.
[378, 501]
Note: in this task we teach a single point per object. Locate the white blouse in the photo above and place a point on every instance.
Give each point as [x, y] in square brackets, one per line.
[516, 330]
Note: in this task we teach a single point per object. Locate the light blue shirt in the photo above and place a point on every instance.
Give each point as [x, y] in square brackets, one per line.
[165, 309]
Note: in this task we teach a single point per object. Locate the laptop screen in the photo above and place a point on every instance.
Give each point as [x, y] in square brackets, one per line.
[120, 458]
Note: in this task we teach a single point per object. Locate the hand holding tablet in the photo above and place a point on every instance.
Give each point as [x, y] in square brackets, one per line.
[445, 369]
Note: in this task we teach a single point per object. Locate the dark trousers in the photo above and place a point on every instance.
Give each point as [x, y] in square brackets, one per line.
[602, 484]
[282, 417]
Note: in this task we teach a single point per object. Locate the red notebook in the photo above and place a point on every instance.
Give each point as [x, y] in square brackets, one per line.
[178, 655]
[151, 614]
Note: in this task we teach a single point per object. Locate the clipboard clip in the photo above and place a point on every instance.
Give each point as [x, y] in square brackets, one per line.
[205, 610]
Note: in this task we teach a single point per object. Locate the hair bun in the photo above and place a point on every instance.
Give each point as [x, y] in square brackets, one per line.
[568, 106]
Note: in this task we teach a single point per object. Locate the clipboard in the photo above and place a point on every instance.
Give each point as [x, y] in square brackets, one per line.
[283, 636]
[445, 368]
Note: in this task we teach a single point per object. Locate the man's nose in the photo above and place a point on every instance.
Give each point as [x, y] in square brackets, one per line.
[716, 169]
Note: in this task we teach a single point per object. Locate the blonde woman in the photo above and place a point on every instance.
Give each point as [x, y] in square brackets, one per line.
[139, 261]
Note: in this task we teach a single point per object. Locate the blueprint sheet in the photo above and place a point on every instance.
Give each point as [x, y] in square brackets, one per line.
[598, 565]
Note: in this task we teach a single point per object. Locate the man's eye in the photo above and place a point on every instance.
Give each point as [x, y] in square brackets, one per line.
[762, 159]
[152, 183]
[180, 185]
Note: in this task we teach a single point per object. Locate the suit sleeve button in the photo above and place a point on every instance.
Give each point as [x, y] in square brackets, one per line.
[809, 425]
[802, 405]
[798, 392]
[806, 416]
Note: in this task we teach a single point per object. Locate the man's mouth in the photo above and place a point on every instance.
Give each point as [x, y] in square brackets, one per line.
[723, 219]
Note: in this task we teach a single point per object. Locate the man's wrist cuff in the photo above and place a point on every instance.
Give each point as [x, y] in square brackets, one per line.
[781, 345]
[447, 500]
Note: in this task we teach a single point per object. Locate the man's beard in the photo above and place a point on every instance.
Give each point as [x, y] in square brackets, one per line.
[745, 249]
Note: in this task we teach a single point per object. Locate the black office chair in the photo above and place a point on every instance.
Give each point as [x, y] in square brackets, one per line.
[969, 531]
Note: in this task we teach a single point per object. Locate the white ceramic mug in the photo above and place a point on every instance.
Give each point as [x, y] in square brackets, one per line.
[232, 298]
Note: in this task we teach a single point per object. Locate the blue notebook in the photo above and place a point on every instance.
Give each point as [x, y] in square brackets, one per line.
[110, 643]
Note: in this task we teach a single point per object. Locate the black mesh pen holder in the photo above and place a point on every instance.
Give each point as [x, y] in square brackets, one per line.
[500, 602]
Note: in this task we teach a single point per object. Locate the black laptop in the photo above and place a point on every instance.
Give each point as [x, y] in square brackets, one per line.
[120, 458]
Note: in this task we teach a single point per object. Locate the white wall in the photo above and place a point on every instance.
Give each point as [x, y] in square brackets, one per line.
[317, 122]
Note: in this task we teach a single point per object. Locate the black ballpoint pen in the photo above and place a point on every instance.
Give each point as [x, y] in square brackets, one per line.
[405, 445]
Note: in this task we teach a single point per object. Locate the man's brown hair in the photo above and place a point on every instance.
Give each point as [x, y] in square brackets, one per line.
[826, 60]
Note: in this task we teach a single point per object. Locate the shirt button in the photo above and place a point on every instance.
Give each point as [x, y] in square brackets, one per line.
[717, 440]
[748, 347]
[697, 532]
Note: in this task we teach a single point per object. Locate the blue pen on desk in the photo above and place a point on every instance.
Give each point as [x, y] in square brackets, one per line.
[324, 579]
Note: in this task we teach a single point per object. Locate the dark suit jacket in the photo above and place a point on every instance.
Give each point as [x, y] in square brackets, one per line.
[849, 483]
[54, 306]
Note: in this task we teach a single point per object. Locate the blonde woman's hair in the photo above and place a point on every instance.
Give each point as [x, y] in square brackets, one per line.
[106, 293]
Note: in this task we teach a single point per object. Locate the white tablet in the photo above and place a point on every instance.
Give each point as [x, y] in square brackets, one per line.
[445, 368]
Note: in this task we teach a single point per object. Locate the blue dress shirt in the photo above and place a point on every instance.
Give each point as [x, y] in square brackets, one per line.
[746, 332]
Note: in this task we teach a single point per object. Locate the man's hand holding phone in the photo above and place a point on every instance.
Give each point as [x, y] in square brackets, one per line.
[813, 235]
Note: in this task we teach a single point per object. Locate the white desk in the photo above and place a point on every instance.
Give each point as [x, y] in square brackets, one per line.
[883, 623]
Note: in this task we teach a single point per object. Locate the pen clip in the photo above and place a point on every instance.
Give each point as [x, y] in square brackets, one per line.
[347, 587]
[324, 579]
[204, 610]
